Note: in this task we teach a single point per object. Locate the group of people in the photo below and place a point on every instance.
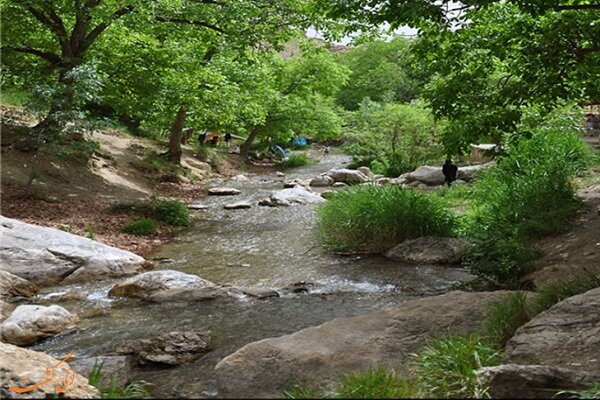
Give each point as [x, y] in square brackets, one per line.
[214, 140]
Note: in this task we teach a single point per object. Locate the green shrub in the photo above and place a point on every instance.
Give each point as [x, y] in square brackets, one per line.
[504, 318]
[446, 368]
[375, 384]
[529, 194]
[296, 160]
[373, 218]
[134, 390]
[141, 227]
[172, 212]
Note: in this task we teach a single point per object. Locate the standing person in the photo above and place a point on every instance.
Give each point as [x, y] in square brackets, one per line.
[449, 170]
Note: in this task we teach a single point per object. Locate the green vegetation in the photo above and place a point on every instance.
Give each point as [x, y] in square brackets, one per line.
[375, 384]
[134, 390]
[446, 367]
[89, 232]
[529, 194]
[296, 160]
[549, 295]
[172, 212]
[392, 138]
[141, 227]
[372, 218]
[592, 392]
[504, 318]
[66, 148]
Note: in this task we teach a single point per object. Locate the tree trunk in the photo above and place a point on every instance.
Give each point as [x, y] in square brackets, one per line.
[174, 152]
[245, 147]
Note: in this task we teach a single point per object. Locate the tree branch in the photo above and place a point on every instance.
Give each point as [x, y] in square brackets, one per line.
[101, 27]
[192, 22]
[52, 58]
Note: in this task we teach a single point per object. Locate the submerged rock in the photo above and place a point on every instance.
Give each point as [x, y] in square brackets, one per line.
[28, 323]
[173, 348]
[167, 285]
[18, 363]
[223, 191]
[429, 250]
[48, 256]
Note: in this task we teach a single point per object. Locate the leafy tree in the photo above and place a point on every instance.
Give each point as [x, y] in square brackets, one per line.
[296, 102]
[487, 59]
[380, 72]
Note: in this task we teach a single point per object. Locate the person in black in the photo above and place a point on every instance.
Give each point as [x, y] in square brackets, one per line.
[449, 170]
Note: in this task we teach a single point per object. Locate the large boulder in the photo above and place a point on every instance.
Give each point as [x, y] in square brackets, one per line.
[48, 256]
[322, 181]
[426, 174]
[566, 335]
[319, 355]
[15, 286]
[367, 172]
[24, 368]
[28, 323]
[173, 348]
[468, 173]
[511, 381]
[429, 250]
[347, 176]
[167, 285]
[117, 368]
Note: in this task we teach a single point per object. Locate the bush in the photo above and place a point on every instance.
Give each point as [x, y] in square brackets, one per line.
[295, 160]
[529, 194]
[141, 227]
[447, 367]
[373, 218]
[172, 212]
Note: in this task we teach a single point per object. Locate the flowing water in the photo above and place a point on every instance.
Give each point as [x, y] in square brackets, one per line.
[261, 247]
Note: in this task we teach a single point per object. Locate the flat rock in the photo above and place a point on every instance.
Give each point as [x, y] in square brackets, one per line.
[28, 323]
[320, 354]
[197, 206]
[18, 363]
[173, 348]
[259, 293]
[294, 182]
[425, 174]
[223, 191]
[429, 250]
[566, 335]
[237, 206]
[47, 256]
[511, 381]
[298, 194]
[15, 286]
[167, 285]
[349, 176]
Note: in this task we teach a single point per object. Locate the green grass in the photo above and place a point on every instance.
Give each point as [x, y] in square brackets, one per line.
[504, 318]
[372, 219]
[13, 97]
[134, 390]
[446, 367]
[295, 160]
[173, 212]
[592, 392]
[141, 227]
[549, 295]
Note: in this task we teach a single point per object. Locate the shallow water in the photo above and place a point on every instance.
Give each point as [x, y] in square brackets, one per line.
[258, 247]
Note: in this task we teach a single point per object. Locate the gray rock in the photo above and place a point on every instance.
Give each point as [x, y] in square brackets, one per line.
[425, 174]
[48, 256]
[118, 368]
[5, 310]
[279, 173]
[173, 348]
[197, 206]
[270, 202]
[298, 194]
[223, 191]
[322, 181]
[429, 250]
[237, 206]
[367, 172]
[293, 183]
[348, 176]
[240, 178]
[383, 181]
[14, 286]
[468, 173]
[319, 355]
[28, 323]
[339, 184]
[18, 363]
[259, 293]
[566, 335]
[167, 285]
[511, 381]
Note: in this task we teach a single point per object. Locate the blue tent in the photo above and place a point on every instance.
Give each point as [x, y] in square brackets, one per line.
[299, 141]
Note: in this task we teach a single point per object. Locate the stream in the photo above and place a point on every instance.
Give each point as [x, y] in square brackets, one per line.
[260, 247]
